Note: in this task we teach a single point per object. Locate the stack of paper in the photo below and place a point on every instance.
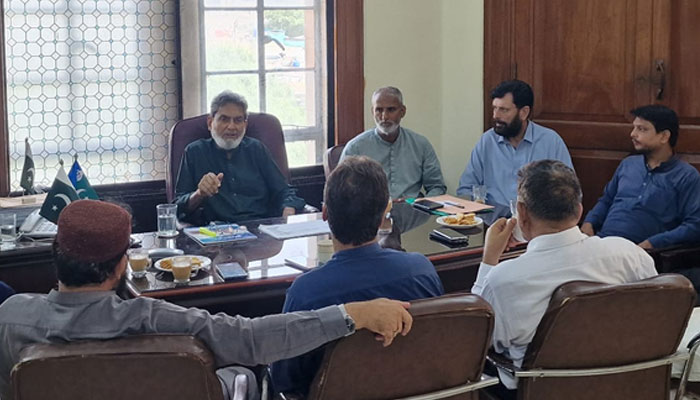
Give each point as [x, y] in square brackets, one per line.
[299, 229]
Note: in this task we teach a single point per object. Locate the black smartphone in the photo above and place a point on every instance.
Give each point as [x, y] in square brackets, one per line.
[427, 205]
[231, 271]
[449, 235]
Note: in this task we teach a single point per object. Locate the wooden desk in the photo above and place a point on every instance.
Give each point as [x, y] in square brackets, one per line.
[269, 277]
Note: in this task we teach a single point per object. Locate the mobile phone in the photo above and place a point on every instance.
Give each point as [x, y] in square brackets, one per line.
[231, 271]
[427, 205]
[449, 235]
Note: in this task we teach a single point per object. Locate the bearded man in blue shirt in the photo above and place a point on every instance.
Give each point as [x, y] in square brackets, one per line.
[513, 141]
[654, 198]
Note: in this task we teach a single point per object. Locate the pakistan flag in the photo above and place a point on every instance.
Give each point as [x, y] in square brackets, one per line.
[60, 195]
[27, 179]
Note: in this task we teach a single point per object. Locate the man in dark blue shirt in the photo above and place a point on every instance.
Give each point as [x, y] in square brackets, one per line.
[654, 198]
[5, 291]
[231, 177]
[356, 198]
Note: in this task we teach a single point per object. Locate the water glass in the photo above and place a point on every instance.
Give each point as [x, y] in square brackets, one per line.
[479, 193]
[8, 228]
[167, 220]
[517, 232]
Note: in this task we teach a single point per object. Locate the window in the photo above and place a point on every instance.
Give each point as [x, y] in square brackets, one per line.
[95, 78]
[281, 71]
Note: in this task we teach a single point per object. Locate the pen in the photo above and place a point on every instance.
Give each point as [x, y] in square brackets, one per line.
[452, 203]
[205, 231]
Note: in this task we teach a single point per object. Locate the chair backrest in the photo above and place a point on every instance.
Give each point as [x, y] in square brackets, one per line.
[150, 367]
[589, 325]
[264, 127]
[331, 158]
[445, 348]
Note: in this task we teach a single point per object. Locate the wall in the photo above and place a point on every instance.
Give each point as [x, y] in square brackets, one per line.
[433, 52]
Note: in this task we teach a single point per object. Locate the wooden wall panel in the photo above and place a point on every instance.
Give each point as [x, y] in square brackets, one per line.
[349, 70]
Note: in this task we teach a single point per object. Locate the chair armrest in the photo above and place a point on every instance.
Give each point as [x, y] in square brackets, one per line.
[500, 361]
[675, 258]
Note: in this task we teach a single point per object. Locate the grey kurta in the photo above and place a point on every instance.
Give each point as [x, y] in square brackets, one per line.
[410, 162]
[59, 316]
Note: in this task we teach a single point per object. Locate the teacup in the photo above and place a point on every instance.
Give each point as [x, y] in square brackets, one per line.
[138, 262]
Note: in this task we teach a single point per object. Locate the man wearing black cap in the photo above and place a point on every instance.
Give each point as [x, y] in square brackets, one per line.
[90, 262]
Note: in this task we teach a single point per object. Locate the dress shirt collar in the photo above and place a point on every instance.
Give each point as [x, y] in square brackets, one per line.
[78, 297]
[384, 142]
[555, 240]
[529, 135]
[360, 252]
[664, 166]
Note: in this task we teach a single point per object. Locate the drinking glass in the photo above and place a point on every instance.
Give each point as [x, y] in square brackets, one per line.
[8, 229]
[182, 269]
[479, 193]
[138, 261]
[167, 220]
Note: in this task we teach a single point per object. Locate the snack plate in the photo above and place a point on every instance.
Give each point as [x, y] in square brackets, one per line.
[205, 262]
[441, 220]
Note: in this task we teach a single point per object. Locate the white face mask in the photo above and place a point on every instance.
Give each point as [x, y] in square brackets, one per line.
[226, 144]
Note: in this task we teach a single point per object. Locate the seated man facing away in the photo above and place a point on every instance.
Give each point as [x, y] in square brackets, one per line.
[513, 142]
[231, 177]
[408, 158]
[654, 198]
[519, 290]
[90, 262]
[355, 200]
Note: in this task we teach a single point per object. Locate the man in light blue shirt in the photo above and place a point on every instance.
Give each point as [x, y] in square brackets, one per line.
[512, 142]
[408, 159]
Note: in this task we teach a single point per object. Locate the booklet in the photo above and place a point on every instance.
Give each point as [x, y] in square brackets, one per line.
[215, 234]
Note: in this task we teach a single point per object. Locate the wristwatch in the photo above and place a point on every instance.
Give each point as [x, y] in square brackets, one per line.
[349, 322]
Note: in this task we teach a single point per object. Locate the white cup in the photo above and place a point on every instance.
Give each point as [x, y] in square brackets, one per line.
[325, 250]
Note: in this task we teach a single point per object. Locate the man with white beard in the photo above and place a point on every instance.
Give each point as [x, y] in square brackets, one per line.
[408, 159]
[231, 177]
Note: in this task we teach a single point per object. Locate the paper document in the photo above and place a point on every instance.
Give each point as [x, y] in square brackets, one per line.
[455, 205]
[299, 229]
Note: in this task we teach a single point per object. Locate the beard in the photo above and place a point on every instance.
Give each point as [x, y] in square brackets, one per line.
[387, 127]
[227, 144]
[509, 130]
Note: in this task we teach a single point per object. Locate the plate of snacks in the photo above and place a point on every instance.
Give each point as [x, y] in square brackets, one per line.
[166, 264]
[460, 221]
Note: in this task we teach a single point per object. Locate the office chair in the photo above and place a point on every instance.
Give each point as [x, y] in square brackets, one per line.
[601, 341]
[153, 367]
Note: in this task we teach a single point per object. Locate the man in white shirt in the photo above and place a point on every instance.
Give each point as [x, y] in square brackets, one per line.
[519, 290]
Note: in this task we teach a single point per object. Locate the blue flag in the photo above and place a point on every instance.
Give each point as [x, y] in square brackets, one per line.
[80, 182]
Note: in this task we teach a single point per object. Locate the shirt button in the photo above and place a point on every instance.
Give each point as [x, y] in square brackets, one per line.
[644, 184]
[640, 197]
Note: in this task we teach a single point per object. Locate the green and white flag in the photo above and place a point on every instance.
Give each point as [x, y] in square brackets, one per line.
[27, 180]
[60, 195]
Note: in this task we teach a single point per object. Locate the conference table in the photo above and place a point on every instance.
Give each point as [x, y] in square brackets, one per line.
[269, 276]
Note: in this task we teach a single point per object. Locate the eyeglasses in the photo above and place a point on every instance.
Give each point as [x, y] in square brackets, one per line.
[236, 120]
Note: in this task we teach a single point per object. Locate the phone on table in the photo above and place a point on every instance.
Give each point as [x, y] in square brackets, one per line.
[427, 205]
[449, 236]
[231, 271]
